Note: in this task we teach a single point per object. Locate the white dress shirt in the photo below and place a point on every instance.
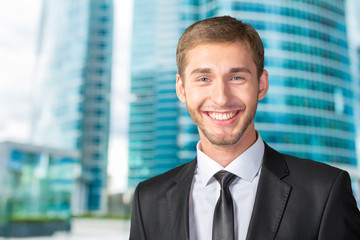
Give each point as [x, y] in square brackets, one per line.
[205, 191]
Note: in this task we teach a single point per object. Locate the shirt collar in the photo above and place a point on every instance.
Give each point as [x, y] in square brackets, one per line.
[245, 166]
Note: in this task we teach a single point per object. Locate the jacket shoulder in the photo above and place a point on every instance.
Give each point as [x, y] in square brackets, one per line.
[166, 179]
[297, 170]
[310, 168]
[310, 175]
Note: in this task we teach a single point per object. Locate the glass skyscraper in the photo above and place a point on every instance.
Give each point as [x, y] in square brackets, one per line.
[353, 22]
[309, 109]
[73, 81]
[154, 107]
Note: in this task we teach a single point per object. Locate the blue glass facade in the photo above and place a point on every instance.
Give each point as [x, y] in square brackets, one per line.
[356, 68]
[309, 110]
[36, 184]
[73, 78]
[154, 110]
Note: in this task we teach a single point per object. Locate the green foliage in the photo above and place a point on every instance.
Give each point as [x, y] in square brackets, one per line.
[103, 216]
[39, 219]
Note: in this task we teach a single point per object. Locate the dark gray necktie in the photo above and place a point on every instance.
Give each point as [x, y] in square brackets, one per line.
[223, 223]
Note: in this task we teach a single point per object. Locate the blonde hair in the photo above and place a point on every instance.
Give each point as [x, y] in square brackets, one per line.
[220, 29]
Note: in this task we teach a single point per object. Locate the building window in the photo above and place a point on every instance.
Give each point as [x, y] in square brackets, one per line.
[101, 58]
[98, 126]
[100, 71]
[99, 98]
[104, 19]
[96, 156]
[101, 45]
[104, 6]
[102, 32]
[99, 112]
[96, 140]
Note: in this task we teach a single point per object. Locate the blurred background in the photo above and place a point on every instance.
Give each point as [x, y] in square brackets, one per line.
[88, 107]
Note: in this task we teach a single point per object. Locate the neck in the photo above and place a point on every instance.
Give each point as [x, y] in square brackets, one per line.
[224, 155]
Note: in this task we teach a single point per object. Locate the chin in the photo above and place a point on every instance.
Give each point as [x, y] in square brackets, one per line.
[223, 141]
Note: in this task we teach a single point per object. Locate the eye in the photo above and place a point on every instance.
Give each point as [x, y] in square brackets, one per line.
[204, 79]
[237, 78]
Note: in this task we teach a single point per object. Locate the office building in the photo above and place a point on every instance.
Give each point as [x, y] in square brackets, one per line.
[36, 182]
[73, 88]
[154, 108]
[309, 109]
[353, 23]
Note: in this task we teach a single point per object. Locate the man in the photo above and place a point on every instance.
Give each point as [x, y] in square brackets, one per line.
[237, 187]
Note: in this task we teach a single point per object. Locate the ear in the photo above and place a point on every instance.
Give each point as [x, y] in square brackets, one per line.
[180, 88]
[263, 84]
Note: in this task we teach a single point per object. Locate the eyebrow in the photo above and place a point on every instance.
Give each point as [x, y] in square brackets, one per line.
[201, 70]
[232, 70]
[240, 69]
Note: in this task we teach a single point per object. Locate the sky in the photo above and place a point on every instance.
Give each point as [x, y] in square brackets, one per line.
[18, 28]
[118, 149]
[18, 36]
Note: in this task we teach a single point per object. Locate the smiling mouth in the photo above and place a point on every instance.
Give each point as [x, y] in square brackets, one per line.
[222, 116]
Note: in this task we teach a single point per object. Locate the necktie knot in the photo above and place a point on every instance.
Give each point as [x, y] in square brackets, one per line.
[225, 178]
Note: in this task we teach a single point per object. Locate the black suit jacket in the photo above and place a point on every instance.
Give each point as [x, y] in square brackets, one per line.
[296, 199]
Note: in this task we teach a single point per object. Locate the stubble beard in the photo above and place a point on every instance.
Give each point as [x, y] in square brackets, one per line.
[224, 140]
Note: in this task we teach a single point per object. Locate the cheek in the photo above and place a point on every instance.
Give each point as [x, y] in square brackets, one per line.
[196, 96]
[247, 94]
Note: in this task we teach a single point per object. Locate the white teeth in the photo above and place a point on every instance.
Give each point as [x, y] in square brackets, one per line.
[222, 116]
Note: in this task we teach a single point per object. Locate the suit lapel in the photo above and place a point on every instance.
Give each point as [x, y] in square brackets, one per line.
[177, 198]
[271, 197]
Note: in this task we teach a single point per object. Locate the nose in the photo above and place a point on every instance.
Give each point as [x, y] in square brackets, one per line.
[220, 93]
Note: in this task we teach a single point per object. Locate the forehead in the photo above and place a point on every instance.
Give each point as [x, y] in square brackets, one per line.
[218, 54]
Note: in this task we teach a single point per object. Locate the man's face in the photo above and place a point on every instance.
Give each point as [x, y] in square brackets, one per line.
[220, 88]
